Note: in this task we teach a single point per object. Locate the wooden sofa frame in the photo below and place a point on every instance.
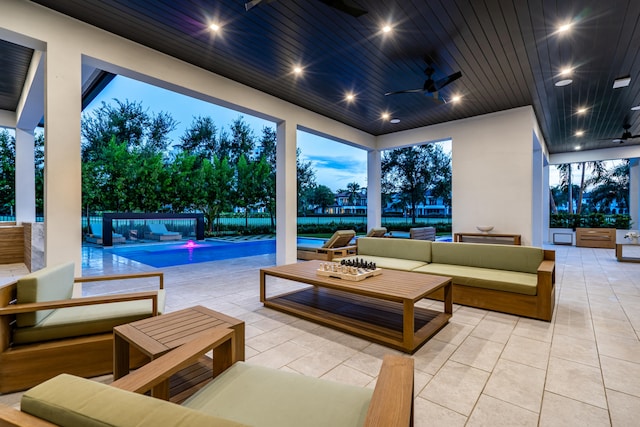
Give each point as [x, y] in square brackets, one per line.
[391, 404]
[24, 366]
[539, 306]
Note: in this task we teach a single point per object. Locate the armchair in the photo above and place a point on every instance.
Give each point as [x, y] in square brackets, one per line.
[44, 331]
[241, 395]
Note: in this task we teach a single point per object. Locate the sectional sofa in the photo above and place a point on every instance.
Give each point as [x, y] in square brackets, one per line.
[517, 280]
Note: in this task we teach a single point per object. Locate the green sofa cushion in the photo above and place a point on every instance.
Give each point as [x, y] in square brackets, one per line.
[390, 263]
[499, 280]
[524, 259]
[260, 396]
[71, 401]
[48, 284]
[416, 250]
[86, 320]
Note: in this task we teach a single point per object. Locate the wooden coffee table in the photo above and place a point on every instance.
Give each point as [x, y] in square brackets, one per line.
[380, 308]
[158, 335]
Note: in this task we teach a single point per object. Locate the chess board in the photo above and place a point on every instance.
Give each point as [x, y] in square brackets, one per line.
[361, 275]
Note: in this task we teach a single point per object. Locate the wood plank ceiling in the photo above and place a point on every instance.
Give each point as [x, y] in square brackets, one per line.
[509, 52]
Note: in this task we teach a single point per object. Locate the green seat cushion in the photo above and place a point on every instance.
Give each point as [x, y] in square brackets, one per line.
[524, 259]
[390, 263]
[86, 320]
[71, 401]
[416, 250]
[265, 397]
[487, 278]
[48, 284]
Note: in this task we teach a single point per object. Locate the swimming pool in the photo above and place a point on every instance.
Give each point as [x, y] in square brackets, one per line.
[168, 255]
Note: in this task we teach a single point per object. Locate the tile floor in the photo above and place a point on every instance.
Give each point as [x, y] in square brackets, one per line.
[482, 369]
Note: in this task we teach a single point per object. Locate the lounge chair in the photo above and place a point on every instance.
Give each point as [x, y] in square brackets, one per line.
[337, 246]
[423, 233]
[95, 236]
[160, 232]
[242, 395]
[377, 232]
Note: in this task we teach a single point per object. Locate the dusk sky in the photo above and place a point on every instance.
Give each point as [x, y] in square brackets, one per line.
[335, 164]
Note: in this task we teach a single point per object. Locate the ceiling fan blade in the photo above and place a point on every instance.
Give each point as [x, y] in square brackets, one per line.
[404, 91]
[439, 84]
[346, 7]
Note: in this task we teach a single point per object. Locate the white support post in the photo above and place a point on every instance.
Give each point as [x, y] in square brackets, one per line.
[634, 192]
[25, 177]
[374, 189]
[63, 174]
[286, 194]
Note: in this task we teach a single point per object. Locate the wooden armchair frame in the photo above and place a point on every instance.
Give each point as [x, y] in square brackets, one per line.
[23, 366]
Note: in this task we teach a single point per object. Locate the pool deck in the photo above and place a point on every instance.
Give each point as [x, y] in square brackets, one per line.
[580, 369]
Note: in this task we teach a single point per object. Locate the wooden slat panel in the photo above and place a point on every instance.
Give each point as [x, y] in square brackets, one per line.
[11, 244]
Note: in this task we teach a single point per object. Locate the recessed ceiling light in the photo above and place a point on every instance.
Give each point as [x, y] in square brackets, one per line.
[581, 110]
[621, 82]
[394, 121]
[579, 133]
[214, 27]
[566, 71]
[385, 116]
[636, 108]
[565, 27]
[387, 28]
[297, 70]
[564, 82]
[456, 98]
[350, 97]
[577, 147]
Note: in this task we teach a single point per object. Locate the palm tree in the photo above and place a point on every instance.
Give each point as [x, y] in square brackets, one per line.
[565, 183]
[353, 188]
[598, 172]
[613, 186]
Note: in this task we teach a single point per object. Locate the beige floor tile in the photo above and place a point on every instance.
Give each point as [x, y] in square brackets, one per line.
[621, 375]
[624, 409]
[429, 414]
[279, 356]
[347, 375]
[315, 364]
[456, 387]
[620, 348]
[454, 332]
[613, 327]
[497, 413]
[575, 349]
[560, 411]
[527, 351]
[516, 383]
[493, 330]
[576, 381]
[366, 363]
[431, 356]
[534, 329]
[479, 353]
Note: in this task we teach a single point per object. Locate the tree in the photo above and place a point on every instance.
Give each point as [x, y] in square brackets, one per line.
[306, 180]
[414, 171]
[613, 187]
[598, 170]
[353, 188]
[323, 196]
[201, 138]
[241, 141]
[566, 184]
[39, 172]
[268, 151]
[7, 172]
[218, 176]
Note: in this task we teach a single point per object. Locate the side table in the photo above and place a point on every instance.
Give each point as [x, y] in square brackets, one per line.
[158, 335]
[623, 258]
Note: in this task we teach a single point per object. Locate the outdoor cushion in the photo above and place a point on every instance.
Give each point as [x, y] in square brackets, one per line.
[499, 280]
[161, 229]
[388, 262]
[339, 239]
[525, 259]
[417, 250]
[48, 284]
[71, 401]
[86, 320]
[260, 396]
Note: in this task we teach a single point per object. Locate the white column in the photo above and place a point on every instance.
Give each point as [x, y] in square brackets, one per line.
[286, 194]
[63, 187]
[545, 201]
[374, 189]
[25, 177]
[634, 192]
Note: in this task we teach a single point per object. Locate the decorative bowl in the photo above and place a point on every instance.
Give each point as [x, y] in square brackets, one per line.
[485, 228]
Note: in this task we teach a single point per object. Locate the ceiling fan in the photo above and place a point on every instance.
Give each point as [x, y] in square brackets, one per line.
[430, 86]
[345, 6]
[626, 135]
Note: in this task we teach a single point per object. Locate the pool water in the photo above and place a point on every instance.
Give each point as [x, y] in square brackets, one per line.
[167, 255]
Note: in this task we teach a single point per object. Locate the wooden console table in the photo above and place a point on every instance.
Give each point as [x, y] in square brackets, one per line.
[621, 257]
[496, 238]
[596, 238]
